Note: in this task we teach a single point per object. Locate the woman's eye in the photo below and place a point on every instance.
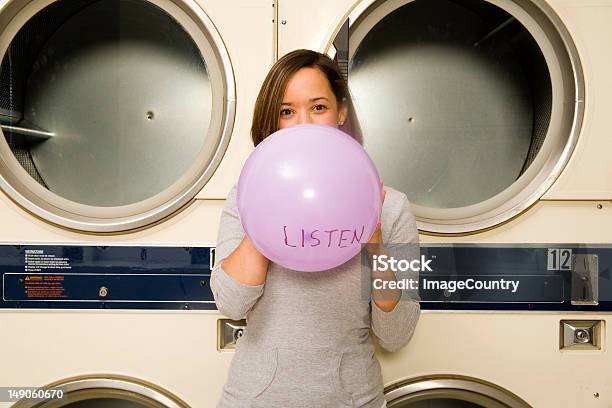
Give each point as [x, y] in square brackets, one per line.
[319, 108]
[285, 112]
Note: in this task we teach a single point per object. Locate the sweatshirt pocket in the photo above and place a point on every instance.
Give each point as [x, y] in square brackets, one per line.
[305, 378]
[358, 374]
[251, 373]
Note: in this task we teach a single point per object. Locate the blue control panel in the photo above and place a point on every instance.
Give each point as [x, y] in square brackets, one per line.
[462, 277]
[111, 277]
[518, 277]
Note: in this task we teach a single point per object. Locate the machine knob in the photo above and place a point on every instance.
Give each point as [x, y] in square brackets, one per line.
[238, 334]
[582, 336]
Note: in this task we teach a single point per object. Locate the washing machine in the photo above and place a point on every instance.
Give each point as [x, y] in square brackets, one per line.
[125, 123]
[491, 116]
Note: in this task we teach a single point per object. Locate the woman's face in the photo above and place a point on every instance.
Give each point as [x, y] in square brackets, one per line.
[309, 99]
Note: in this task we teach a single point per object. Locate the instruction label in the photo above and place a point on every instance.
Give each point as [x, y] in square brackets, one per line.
[37, 261]
[44, 286]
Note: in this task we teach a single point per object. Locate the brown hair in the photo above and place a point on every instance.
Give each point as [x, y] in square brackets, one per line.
[267, 106]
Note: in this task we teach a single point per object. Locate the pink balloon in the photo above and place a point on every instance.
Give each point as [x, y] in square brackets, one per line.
[308, 197]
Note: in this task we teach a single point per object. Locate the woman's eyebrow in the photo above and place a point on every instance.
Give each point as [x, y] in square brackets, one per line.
[310, 100]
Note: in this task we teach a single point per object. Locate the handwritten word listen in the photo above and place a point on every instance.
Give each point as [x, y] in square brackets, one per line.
[341, 238]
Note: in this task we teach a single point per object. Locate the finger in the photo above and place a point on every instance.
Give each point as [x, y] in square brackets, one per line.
[382, 202]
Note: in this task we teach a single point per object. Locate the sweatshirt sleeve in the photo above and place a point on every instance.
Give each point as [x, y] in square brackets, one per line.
[233, 299]
[395, 328]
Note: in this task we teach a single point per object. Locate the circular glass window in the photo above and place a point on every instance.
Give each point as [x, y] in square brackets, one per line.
[467, 106]
[114, 112]
[442, 403]
[446, 391]
[107, 391]
[104, 403]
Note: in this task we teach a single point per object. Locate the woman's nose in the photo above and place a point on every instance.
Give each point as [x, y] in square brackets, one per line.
[304, 118]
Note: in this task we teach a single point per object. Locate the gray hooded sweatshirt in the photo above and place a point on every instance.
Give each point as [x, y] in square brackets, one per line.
[308, 338]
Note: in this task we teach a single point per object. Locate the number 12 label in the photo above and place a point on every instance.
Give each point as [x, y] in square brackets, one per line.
[559, 259]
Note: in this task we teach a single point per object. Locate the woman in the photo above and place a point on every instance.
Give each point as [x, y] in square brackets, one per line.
[307, 341]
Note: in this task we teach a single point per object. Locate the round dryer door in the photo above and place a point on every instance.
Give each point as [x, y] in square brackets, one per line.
[450, 392]
[470, 107]
[105, 391]
[114, 113]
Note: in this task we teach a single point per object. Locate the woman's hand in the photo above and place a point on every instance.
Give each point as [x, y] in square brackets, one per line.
[377, 236]
[385, 299]
[246, 264]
